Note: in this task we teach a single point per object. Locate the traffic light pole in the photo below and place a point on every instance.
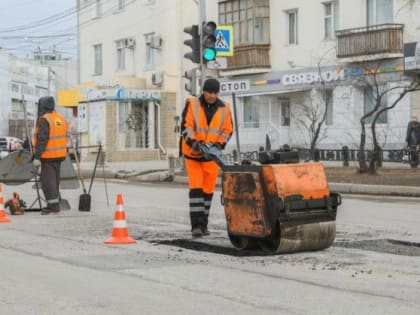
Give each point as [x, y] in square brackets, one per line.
[201, 19]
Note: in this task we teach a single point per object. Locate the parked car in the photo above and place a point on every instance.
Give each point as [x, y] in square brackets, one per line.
[9, 144]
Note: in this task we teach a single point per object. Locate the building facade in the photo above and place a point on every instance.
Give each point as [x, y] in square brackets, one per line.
[292, 59]
[306, 55]
[131, 69]
[22, 83]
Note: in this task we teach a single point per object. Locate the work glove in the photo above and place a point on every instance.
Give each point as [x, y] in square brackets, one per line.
[36, 163]
[218, 145]
[195, 146]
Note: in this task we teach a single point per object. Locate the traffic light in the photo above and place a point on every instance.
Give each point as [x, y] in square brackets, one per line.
[194, 43]
[191, 85]
[208, 41]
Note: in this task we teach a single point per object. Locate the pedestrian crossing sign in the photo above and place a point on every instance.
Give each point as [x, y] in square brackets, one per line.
[224, 40]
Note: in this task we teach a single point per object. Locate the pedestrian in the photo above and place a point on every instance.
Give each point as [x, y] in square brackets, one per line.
[413, 132]
[208, 120]
[50, 149]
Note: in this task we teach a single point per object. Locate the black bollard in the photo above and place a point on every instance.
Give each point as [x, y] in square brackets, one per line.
[346, 156]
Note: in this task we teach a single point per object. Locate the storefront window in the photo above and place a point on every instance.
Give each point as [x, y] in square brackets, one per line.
[285, 112]
[370, 96]
[133, 122]
[251, 112]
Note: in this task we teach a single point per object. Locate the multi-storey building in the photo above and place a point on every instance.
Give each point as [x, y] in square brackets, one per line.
[22, 83]
[300, 53]
[289, 57]
[131, 68]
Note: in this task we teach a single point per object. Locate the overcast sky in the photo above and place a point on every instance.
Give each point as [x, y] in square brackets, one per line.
[26, 25]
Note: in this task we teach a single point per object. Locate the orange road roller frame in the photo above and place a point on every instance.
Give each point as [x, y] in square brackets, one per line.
[280, 208]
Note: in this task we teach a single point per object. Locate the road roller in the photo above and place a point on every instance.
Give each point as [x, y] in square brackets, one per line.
[277, 204]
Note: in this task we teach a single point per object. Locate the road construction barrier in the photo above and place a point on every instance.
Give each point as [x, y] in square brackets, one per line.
[3, 217]
[120, 230]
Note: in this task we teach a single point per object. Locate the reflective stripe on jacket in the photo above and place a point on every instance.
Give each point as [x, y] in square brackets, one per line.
[196, 127]
[57, 142]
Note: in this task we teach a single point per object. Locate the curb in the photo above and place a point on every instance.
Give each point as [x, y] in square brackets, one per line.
[344, 188]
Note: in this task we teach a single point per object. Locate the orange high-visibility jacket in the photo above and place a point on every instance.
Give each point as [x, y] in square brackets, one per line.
[57, 143]
[196, 127]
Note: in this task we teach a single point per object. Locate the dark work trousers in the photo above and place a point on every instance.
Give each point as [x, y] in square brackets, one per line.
[199, 207]
[197, 210]
[50, 182]
[207, 205]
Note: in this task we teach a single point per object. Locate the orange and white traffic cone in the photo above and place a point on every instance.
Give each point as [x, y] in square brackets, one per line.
[3, 217]
[120, 231]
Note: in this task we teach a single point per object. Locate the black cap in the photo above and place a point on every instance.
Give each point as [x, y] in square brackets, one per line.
[211, 85]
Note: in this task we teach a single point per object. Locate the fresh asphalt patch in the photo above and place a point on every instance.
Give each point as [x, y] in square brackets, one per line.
[388, 246]
[204, 245]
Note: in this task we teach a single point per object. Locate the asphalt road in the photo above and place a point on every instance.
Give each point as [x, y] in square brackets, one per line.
[60, 264]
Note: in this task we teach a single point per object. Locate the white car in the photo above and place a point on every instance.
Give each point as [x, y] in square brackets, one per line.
[9, 144]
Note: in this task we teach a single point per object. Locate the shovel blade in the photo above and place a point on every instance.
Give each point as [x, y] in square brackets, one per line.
[84, 202]
[64, 204]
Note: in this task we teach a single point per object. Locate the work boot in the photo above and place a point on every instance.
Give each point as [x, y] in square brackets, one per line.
[47, 211]
[205, 231]
[197, 232]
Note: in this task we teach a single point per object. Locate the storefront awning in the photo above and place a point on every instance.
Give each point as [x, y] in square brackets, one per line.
[279, 92]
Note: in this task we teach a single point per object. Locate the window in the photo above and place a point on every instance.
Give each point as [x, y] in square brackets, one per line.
[133, 121]
[379, 12]
[370, 96]
[121, 5]
[15, 87]
[40, 91]
[330, 19]
[99, 9]
[285, 112]
[150, 52]
[250, 20]
[98, 59]
[251, 112]
[328, 100]
[120, 44]
[292, 27]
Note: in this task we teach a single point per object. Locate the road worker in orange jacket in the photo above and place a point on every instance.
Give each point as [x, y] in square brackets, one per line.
[50, 149]
[206, 119]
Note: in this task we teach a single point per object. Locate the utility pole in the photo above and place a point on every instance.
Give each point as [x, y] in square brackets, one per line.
[201, 19]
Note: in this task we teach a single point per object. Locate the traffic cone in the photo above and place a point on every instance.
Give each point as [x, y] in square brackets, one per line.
[3, 217]
[120, 231]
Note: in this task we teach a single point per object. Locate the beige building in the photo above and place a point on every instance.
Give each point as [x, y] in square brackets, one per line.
[131, 75]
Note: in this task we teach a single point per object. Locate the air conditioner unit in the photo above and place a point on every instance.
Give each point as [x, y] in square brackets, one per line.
[156, 42]
[130, 42]
[157, 78]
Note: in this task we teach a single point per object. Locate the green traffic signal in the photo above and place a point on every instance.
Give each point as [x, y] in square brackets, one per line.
[208, 41]
[209, 54]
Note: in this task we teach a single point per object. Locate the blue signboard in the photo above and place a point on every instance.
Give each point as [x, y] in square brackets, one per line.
[224, 40]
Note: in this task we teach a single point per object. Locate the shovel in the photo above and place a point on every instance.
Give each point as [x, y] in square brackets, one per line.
[64, 203]
[84, 199]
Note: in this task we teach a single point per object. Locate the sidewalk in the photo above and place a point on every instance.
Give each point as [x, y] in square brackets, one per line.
[159, 170]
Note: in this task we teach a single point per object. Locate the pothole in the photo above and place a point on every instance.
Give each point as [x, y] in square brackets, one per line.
[389, 246]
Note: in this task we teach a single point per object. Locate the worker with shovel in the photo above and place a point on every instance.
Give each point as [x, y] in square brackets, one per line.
[50, 149]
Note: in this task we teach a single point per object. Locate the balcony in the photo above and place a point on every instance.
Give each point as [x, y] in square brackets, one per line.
[250, 57]
[370, 42]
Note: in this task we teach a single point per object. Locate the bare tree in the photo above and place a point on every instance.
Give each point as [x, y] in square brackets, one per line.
[312, 118]
[314, 114]
[378, 95]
